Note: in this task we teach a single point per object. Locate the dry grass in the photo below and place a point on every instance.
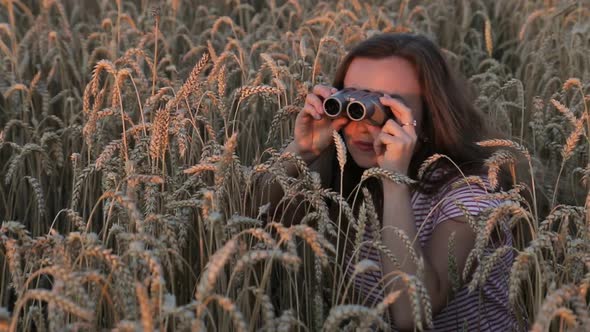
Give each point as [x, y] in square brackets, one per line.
[131, 137]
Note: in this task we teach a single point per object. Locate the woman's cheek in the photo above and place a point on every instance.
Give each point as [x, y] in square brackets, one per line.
[374, 130]
[346, 135]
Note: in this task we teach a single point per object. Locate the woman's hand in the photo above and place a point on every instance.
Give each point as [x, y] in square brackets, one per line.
[394, 143]
[313, 129]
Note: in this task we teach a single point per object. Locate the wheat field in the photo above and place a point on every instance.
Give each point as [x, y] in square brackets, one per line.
[132, 133]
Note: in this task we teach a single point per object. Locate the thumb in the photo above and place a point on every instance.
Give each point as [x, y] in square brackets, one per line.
[374, 131]
[377, 144]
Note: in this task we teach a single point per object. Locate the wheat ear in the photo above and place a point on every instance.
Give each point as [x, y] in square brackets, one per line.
[488, 37]
[340, 149]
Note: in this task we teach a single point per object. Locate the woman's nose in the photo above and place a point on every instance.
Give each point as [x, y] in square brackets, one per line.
[358, 126]
[373, 130]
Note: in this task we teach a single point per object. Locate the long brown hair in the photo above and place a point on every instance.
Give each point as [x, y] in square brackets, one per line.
[451, 124]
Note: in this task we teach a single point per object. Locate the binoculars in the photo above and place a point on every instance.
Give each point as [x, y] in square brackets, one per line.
[359, 105]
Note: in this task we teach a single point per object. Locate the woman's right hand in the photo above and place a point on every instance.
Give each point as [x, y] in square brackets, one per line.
[313, 129]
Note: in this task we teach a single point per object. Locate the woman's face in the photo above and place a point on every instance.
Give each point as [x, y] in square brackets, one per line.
[393, 76]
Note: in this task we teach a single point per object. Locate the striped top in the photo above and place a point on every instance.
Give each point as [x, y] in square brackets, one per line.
[485, 309]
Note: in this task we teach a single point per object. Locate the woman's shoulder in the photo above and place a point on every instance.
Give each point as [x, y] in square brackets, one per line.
[443, 181]
[455, 195]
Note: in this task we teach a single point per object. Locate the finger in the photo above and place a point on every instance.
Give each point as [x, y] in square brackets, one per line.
[401, 112]
[375, 132]
[386, 139]
[309, 111]
[378, 147]
[383, 140]
[323, 91]
[393, 128]
[315, 102]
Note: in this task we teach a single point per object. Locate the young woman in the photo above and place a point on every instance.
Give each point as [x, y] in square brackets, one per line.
[430, 114]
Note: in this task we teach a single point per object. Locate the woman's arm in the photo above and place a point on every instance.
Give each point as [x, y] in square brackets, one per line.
[398, 213]
[312, 137]
[268, 191]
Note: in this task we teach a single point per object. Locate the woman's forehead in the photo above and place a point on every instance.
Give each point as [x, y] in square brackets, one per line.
[394, 76]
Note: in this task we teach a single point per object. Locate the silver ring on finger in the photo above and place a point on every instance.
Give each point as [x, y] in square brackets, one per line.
[413, 123]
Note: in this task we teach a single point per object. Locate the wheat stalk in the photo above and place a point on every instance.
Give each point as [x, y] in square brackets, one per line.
[494, 163]
[573, 138]
[483, 270]
[315, 241]
[506, 143]
[267, 310]
[518, 272]
[254, 256]
[39, 197]
[340, 149]
[487, 223]
[553, 306]
[229, 306]
[571, 82]
[50, 297]
[488, 37]
[469, 180]
[159, 138]
[192, 84]
[213, 268]
[147, 322]
[14, 263]
[452, 265]
[565, 111]
[533, 16]
[107, 153]
[245, 92]
[387, 174]
[362, 225]
[341, 313]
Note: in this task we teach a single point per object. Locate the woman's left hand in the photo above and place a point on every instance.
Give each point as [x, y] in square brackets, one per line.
[394, 142]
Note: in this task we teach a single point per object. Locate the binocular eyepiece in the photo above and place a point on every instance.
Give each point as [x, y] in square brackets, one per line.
[359, 105]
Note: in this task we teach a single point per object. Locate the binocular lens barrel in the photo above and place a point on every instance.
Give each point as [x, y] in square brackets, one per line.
[337, 102]
[356, 111]
[332, 106]
[359, 105]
